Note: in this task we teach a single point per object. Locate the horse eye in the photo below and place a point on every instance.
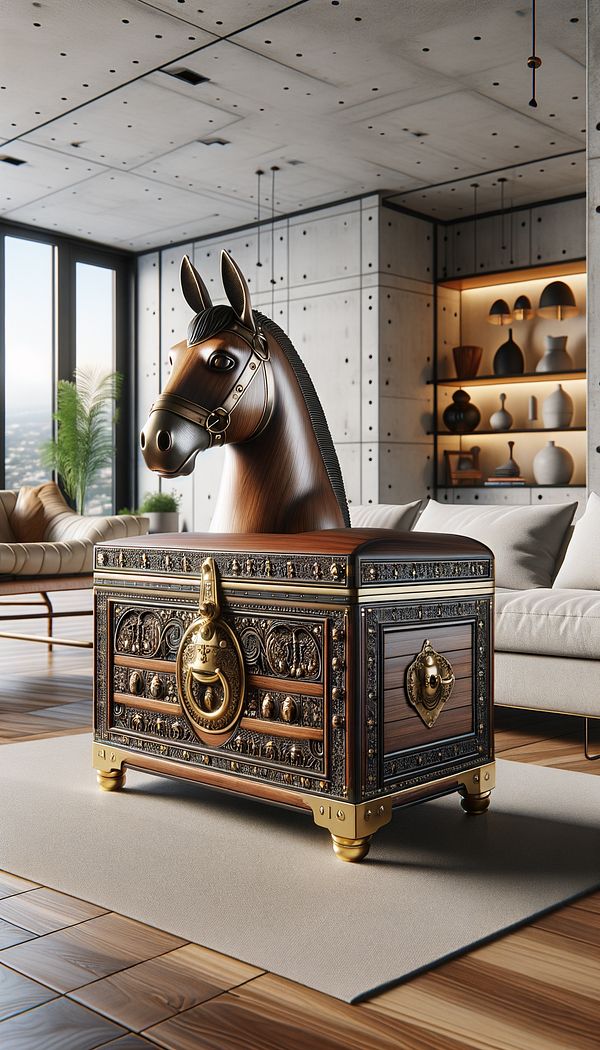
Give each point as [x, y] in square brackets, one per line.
[221, 362]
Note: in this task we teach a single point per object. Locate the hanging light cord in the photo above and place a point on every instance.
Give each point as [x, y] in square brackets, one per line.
[273, 281]
[259, 173]
[534, 61]
[502, 180]
[475, 187]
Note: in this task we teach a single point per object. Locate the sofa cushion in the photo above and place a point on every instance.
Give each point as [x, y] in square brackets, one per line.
[581, 563]
[525, 540]
[384, 515]
[547, 621]
[28, 518]
[8, 498]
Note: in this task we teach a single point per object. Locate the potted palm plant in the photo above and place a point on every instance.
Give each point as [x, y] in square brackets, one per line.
[84, 443]
[162, 511]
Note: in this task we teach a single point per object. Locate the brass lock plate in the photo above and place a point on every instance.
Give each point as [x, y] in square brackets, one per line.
[429, 683]
[210, 667]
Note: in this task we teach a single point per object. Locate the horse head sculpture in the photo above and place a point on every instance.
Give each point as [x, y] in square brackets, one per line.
[237, 381]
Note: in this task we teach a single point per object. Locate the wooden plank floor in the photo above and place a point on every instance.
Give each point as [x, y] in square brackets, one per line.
[74, 977]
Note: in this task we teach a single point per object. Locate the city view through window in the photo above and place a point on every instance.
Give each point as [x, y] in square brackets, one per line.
[31, 356]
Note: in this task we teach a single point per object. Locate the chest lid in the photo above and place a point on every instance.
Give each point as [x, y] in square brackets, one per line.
[337, 558]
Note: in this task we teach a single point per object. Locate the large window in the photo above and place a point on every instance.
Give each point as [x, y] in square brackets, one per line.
[29, 359]
[66, 306]
[95, 353]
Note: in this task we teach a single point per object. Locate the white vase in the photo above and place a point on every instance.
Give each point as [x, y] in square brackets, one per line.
[557, 357]
[501, 419]
[163, 521]
[553, 465]
[557, 409]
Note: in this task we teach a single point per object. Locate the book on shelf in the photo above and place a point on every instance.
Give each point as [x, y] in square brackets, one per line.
[505, 481]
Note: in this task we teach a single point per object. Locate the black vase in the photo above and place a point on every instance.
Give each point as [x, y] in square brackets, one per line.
[461, 417]
[508, 359]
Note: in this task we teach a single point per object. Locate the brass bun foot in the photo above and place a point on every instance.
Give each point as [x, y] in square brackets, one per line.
[112, 780]
[474, 804]
[351, 850]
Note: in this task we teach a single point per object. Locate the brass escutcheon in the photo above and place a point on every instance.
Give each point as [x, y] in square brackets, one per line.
[210, 665]
[429, 683]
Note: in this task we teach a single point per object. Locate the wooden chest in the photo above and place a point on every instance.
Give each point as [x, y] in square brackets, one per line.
[345, 671]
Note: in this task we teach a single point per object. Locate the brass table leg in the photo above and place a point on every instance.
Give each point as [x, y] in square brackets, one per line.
[109, 764]
[112, 781]
[351, 850]
[351, 826]
[476, 789]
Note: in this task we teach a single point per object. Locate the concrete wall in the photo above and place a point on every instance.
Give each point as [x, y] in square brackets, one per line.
[544, 233]
[353, 288]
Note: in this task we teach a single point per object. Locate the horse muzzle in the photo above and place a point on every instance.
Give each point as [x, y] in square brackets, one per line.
[170, 443]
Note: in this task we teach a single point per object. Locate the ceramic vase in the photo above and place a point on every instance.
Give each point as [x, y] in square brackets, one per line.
[462, 416]
[501, 419]
[553, 465]
[467, 360]
[557, 358]
[511, 468]
[508, 359]
[557, 410]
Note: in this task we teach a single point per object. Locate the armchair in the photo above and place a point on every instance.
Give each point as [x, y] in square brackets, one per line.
[45, 546]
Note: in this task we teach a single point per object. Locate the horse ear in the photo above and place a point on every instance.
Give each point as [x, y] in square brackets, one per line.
[193, 287]
[236, 290]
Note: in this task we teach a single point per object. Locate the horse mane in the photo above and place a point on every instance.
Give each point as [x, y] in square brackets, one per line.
[315, 412]
[216, 319]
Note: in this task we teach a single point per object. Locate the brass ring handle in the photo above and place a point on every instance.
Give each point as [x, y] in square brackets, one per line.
[209, 655]
[206, 678]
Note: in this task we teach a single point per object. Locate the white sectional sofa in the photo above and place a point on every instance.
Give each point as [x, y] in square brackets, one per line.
[547, 639]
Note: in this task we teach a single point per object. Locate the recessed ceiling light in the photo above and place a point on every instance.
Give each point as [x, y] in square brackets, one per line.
[188, 76]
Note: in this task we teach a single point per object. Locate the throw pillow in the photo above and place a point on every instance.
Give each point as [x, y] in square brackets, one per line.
[28, 519]
[525, 541]
[384, 515]
[581, 564]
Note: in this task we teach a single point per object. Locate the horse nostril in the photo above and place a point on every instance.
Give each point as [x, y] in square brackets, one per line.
[142, 440]
[163, 440]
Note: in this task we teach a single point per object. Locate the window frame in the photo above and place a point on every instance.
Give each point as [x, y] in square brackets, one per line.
[68, 251]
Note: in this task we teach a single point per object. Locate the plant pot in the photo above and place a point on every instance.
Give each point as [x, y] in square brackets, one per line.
[467, 360]
[501, 419]
[461, 417]
[163, 521]
[508, 359]
[557, 409]
[553, 465]
[557, 358]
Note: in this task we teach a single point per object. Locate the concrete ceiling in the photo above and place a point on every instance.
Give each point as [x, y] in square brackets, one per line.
[416, 98]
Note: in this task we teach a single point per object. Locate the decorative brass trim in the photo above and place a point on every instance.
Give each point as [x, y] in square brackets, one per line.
[429, 683]
[210, 666]
[458, 590]
[259, 725]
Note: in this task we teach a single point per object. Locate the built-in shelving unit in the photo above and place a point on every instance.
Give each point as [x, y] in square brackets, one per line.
[462, 319]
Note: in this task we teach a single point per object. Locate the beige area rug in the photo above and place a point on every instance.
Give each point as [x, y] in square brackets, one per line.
[262, 883]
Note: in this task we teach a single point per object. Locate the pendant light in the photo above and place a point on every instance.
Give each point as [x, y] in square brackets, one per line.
[500, 313]
[259, 173]
[534, 61]
[274, 169]
[557, 302]
[523, 310]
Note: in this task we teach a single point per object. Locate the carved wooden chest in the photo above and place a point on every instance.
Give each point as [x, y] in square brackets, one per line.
[345, 672]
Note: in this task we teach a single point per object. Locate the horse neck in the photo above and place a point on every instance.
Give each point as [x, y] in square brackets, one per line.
[278, 482]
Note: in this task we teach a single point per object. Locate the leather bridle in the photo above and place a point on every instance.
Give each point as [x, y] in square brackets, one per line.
[216, 421]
